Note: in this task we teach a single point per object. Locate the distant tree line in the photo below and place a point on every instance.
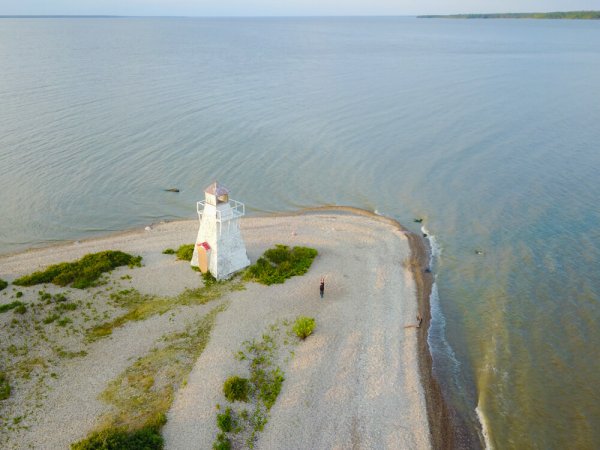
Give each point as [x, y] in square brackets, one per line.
[550, 15]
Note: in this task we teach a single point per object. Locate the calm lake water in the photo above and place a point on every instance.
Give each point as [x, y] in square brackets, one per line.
[488, 129]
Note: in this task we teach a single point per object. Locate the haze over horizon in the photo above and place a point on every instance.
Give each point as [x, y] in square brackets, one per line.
[242, 8]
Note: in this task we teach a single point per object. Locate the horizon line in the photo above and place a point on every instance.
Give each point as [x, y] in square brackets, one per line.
[257, 16]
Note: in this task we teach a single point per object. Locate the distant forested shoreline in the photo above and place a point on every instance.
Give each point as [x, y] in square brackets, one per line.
[588, 15]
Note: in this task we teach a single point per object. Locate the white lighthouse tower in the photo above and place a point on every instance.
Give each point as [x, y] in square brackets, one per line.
[219, 246]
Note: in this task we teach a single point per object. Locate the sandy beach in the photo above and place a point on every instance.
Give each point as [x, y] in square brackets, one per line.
[360, 381]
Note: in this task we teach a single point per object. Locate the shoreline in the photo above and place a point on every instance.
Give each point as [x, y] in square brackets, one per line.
[445, 432]
[442, 425]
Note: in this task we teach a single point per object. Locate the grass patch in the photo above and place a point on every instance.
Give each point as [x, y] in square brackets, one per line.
[236, 388]
[304, 326]
[280, 263]
[26, 367]
[64, 322]
[82, 273]
[51, 318]
[147, 437]
[9, 306]
[168, 251]
[62, 307]
[185, 252]
[4, 387]
[70, 355]
[145, 390]
[141, 307]
[3, 284]
[239, 428]
[21, 309]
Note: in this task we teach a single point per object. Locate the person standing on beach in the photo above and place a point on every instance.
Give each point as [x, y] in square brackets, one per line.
[322, 286]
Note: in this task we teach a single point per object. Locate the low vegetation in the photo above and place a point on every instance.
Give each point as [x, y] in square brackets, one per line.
[239, 426]
[143, 393]
[4, 386]
[304, 326]
[9, 306]
[280, 263]
[236, 388]
[3, 284]
[147, 437]
[82, 273]
[185, 252]
[141, 307]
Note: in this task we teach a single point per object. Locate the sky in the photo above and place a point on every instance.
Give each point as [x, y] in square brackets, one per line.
[284, 7]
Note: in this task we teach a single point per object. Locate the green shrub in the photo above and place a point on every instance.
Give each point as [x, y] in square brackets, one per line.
[304, 326]
[222, 443]
[3, 284]
[236, 388]
[185, 252]
[19, 294]
[21, 309]
[82, 273]
[120, 438]
[270, 387]
[9, 306]
[225, 421]
[280, 263]
[147, 438]
[168, 251]
[4, 387]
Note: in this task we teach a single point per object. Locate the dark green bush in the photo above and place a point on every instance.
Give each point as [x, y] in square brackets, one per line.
[225, 421]
[21, 309]
[280, 263]
[9, 306]
[19, 294]
[168, 251]
[304, 326]
[222, 443]
[3, 284]
[4, 387]
[185, 252]
[236, 388]
[117, 438]
[82, 273]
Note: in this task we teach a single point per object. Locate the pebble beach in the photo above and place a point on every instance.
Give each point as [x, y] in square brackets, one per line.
[360, 381]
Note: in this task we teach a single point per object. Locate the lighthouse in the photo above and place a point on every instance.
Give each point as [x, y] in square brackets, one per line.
[219, 246]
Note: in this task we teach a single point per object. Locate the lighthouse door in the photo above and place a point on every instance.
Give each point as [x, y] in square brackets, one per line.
[203, 256]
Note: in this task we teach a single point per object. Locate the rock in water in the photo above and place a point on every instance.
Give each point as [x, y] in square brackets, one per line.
[172, 190]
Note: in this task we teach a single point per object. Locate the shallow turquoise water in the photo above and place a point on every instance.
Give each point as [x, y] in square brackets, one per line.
[486, 128]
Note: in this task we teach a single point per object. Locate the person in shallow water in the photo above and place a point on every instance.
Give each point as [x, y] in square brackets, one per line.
[322, 286]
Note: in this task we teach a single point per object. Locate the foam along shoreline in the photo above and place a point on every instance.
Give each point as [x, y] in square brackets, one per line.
[365, 370]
